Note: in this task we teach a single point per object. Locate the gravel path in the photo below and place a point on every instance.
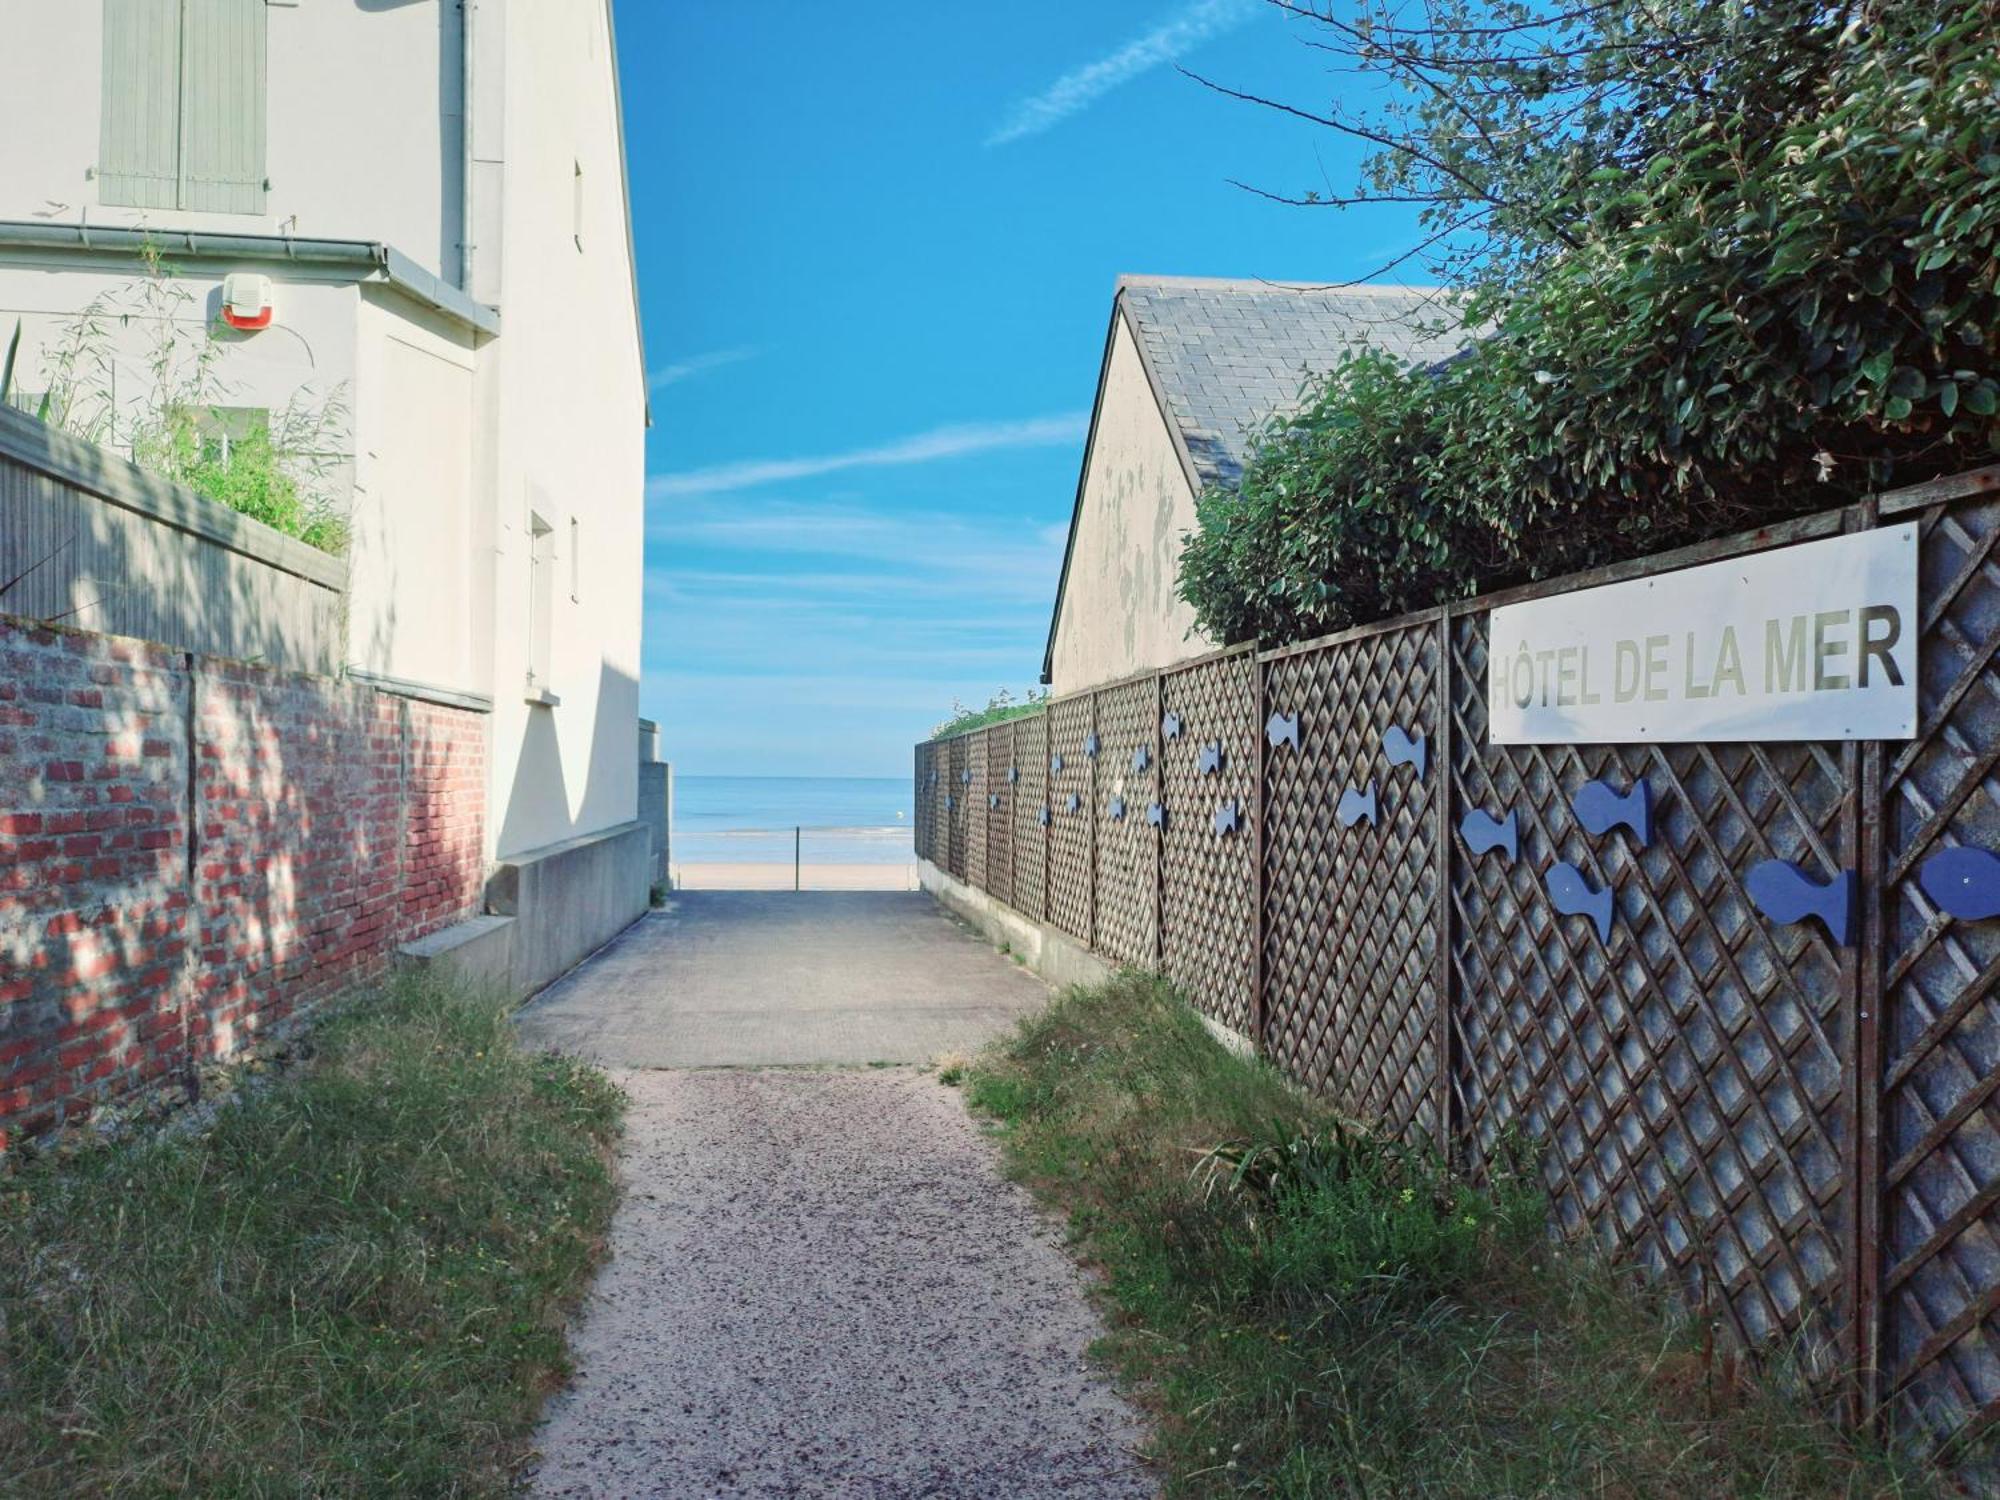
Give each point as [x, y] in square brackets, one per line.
[820, 1287]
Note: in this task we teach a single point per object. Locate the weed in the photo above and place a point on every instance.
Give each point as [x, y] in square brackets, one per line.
[951, 1068]
[1314, 1309]
[352, 1283]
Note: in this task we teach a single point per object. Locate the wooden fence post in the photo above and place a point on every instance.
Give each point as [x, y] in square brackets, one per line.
[1441, 809]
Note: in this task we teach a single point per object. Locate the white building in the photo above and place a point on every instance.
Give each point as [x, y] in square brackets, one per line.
[435, 190]
[1192, 368]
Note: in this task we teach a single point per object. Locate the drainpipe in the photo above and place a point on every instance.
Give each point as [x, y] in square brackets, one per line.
[465, 245]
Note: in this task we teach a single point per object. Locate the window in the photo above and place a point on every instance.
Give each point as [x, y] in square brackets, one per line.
[575, 561]
[184, 98]
[576, 204]
[541, 605]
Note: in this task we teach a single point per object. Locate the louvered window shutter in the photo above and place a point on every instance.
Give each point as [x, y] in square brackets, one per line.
[139, 146]
[222, 106]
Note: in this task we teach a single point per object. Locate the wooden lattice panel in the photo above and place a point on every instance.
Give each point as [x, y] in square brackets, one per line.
[920, 823]
[997, 804]
[936, 813]
[1350, 925]
[1208, 887]
[1686, 1079]
[1070, 833]
[973, 793]
[1941, 1042]
[1128, 850]
[956, 766]
[1031, 755]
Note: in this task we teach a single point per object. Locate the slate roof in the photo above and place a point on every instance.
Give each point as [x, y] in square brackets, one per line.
[1225, 356]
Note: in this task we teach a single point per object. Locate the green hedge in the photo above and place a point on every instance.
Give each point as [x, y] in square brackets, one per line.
[1782, 307]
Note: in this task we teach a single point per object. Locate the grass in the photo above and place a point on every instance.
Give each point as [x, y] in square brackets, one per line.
[1313, 1311]
[352, 1283]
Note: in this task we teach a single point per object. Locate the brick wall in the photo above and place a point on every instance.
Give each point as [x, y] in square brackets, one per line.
[194, 852]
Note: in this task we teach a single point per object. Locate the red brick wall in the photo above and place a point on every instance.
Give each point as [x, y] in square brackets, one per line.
[193, 852]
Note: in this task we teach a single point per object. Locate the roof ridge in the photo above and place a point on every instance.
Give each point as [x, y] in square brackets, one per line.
[1257, 283]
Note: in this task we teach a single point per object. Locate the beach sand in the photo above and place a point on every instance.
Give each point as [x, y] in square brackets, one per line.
[812, 877]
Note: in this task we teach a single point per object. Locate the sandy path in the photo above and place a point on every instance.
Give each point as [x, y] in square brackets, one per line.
[819, 1287]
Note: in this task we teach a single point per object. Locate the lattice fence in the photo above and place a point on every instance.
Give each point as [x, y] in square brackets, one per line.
[1071, 879]
[1208, 877]
[1031, 796]
[1350, 842]
[1126, 777]
[1804, 1137]
[1940, 1117]
[957, 773]
[973, 795]
[1687, 1075]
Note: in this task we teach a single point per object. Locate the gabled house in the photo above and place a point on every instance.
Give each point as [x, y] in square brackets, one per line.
[1192, 368]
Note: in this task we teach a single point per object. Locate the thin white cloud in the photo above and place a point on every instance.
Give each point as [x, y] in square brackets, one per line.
[696, 364]
[1183, 31]
[923, 447]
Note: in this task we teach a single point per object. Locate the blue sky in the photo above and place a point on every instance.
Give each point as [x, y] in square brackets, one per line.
[877, 247]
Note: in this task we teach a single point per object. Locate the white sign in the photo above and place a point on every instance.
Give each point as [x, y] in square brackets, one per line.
[1812, 642]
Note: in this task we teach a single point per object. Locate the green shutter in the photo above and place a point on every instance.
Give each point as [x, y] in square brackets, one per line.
[139, 144]
[222, 106]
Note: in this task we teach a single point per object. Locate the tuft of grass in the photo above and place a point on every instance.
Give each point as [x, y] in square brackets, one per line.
[353, 1283]
[1315, 1311]
[951, 1068]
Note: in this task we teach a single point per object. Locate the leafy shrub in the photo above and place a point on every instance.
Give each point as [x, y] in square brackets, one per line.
[1787, 299]
[1001, 707]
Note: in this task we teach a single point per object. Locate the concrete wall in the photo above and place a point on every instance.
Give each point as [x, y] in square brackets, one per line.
[1119, 612]
[363, 124]
[93, 541]
[563, 402]
[194, 853]
[570, 899]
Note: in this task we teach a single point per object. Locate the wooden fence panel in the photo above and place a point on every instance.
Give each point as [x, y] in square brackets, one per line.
[1126, 772]
[1350, 918]
[1071, 884]
[1208, 908]
[1030, 805]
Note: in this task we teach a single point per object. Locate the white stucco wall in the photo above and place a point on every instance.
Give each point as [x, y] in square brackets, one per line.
[1120, 613]
[362, 137]
[568, 419]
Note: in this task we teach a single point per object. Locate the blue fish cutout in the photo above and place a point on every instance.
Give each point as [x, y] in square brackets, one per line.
[933, 780]
[1156, 814]
[1354, 806]
[1170, 726]
[1055, 762]
[1116, 809]
[1042, 815]
[1228, 818]
[992, 799]
[1965, 882]
[1210, 762]
[1075, 802]
[1401, 749]
[1280, 728]
[1599, 809]
[1141, 759]
[949, 802]
[1013, 773]
[1482, 831]
[1786, 894]
[1572, 895]
[1090, 744]
[966, 777]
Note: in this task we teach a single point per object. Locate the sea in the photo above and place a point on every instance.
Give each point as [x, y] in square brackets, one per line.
[859, 820]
